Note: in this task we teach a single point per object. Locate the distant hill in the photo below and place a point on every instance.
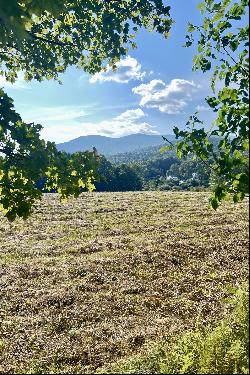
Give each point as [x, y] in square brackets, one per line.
[113, 146]
[140, 155]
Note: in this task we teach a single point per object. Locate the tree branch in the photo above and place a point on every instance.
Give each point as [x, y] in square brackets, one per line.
[57, 43]
[203, 161]
[231, 57]
[6, 52]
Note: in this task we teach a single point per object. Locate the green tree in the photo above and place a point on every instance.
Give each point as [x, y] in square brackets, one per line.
[117, 178]
[25, 158]
[42, 38]
[127, 179]
[222, 49]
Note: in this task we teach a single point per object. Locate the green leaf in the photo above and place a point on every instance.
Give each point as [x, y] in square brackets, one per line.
[202, 7]
[214, 203]
[191, 27]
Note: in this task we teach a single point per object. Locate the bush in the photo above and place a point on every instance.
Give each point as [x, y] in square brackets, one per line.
[220, 350]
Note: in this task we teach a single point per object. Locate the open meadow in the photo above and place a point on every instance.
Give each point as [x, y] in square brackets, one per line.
[101, 278]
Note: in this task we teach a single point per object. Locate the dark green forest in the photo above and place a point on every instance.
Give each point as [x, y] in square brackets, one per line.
[148, 169]
[159, 173]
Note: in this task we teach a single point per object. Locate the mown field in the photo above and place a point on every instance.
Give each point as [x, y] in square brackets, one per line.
[101, 278]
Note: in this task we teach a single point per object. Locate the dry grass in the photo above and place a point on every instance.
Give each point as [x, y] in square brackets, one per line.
[87, 283]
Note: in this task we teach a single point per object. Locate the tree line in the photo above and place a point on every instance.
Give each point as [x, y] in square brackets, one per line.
[163, 172]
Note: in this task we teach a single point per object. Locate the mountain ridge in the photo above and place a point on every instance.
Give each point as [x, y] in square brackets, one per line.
[112, 146]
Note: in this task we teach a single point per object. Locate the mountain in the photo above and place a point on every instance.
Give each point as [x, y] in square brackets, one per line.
[141, 155]
[112, 146]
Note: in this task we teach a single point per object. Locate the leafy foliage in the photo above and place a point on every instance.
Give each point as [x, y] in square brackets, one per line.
[24, 158]
[118, 178]
[110, 177]
[42, 38]
[223, 49]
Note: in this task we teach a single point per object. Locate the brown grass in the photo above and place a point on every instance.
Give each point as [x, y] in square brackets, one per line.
[87, 283]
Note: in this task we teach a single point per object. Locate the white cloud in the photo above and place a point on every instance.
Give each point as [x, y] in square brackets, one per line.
[20, 83]
[170, 99]
[45, 115]
[202, 108]
[129, 122]
[131, 115]
[127, 70]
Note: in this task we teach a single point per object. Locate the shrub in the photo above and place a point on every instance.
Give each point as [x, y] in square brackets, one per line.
[220, 350]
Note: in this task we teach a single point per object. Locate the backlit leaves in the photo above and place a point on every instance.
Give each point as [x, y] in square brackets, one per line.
[223, 49]
[43, 37]
[25, 158]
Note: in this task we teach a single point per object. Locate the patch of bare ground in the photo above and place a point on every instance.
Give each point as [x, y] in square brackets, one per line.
[87, 283]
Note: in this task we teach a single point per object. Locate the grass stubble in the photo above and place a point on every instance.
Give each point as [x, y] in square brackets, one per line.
[99, 279]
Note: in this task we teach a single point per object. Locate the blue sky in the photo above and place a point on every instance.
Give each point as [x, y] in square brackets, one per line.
[152, 90]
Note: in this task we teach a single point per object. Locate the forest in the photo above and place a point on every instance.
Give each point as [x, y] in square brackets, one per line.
[153, 171]
[159, 173]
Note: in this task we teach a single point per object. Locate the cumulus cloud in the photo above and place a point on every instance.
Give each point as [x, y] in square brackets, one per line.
[128, 69]
[169, 98]
[131, 115]
[128, 122]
